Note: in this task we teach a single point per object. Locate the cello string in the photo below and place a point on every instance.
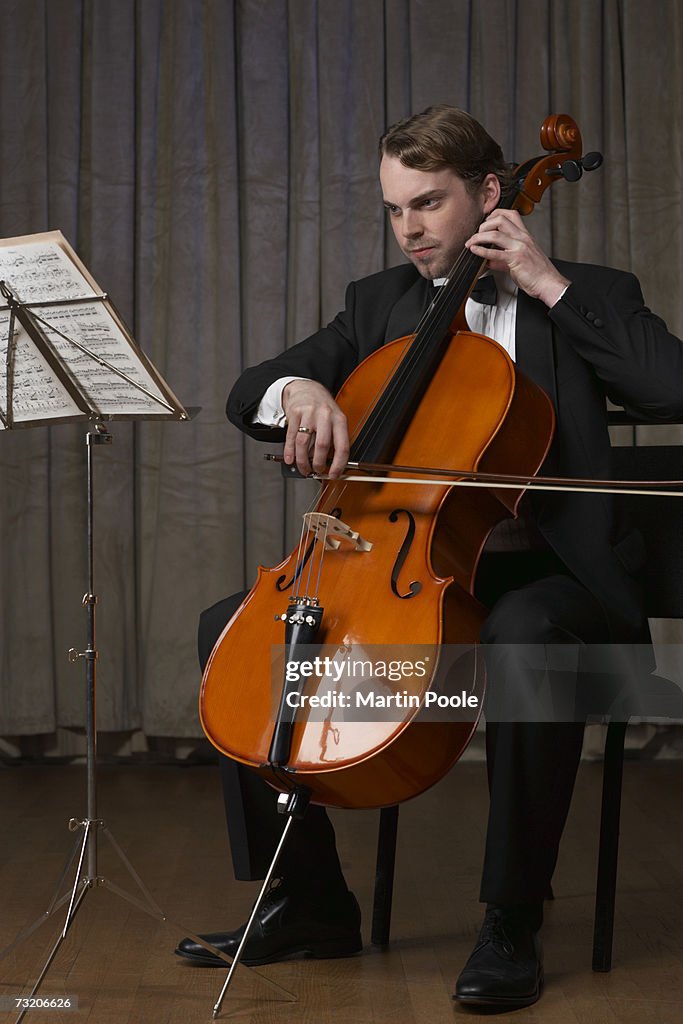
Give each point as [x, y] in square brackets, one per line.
[299, 556]
[314, 545]
[323, 548]
[382, 404]
[304, 541]
[377, 397]
[404, 366]
[458, 278]
[317, 553]
[460, 275]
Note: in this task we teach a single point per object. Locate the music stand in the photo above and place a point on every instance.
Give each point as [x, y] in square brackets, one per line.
[68, 357]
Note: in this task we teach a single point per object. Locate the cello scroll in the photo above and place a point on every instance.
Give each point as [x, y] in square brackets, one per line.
[561, 137]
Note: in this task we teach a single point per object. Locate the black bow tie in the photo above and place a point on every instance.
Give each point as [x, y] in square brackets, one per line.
[485, 291]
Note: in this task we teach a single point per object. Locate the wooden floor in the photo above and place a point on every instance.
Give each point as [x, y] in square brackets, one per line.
[119, 962]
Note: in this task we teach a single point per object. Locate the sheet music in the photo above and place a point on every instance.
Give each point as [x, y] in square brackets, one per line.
[42, 272]
[91, 325]
[37, 392]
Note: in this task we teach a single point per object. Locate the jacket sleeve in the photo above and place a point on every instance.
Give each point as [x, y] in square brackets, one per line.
[327, 356]
[631, 350]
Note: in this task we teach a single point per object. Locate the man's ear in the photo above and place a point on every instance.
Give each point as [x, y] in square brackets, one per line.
[490, 192]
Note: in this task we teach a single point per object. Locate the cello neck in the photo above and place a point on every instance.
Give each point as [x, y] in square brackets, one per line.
[394, 408]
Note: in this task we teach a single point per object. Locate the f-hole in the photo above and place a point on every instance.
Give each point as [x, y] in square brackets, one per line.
[415, 587]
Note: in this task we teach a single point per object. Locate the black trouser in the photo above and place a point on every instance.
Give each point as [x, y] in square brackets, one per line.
[531, 766]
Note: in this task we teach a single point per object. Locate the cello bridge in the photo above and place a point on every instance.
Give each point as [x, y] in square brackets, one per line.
[333, 532]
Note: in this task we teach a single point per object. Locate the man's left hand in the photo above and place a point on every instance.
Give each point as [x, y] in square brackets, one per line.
[506, 245]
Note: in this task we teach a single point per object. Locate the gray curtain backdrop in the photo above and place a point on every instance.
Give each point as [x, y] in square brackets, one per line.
[214, 164]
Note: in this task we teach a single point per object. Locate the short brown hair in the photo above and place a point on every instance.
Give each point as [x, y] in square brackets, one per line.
[446, 136]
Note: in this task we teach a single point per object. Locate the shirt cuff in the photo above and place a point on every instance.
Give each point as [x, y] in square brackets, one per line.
[560, 296]
[270, 412]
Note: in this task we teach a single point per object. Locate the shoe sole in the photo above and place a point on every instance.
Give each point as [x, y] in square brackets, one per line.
[323, 951]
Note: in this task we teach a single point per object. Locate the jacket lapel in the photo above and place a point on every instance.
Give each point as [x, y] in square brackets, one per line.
[406, 314]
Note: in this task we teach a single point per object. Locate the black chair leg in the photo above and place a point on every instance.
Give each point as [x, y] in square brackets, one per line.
[605, 895]
[384, 876]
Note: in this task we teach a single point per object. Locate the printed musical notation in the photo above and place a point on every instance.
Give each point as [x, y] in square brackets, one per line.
[97, 354]
[41, 272]
[94, 356]
[29, 388]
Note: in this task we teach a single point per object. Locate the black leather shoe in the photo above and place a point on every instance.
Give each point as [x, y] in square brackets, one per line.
[505, 969]
[289, 924]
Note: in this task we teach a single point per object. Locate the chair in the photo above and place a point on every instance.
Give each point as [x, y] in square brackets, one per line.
[659, 520]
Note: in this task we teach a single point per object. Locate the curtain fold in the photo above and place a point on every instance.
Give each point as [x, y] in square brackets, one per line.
[214, 163]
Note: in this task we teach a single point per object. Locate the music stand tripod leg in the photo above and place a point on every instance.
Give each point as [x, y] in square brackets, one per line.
[75, 900]
[294, 805]
[73, 910]
[55, 903]
[58, 901]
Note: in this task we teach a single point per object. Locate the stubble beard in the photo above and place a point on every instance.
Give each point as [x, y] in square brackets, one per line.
[436, 264]
[440, 261]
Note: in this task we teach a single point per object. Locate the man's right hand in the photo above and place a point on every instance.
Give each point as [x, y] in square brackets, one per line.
[308, 404]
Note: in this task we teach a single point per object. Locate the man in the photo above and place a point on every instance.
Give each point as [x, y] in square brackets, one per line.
[563, 576]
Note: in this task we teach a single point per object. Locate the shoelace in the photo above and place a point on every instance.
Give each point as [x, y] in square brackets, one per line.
[493, 931]
[274, 893]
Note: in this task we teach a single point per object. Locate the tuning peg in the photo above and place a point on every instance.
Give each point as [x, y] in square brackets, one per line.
[591, 161]
[570, 170]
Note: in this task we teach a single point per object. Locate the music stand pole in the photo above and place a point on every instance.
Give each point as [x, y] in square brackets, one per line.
[90, 825]
[99, 435]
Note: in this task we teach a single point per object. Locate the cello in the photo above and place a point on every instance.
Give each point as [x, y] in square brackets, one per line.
[379, 561]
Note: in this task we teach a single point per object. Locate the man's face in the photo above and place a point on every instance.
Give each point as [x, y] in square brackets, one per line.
[433, 213]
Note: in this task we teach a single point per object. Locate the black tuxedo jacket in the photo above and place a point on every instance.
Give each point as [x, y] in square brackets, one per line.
[598, 340]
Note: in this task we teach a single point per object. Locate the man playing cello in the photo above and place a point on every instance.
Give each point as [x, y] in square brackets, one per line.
[561, 574]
